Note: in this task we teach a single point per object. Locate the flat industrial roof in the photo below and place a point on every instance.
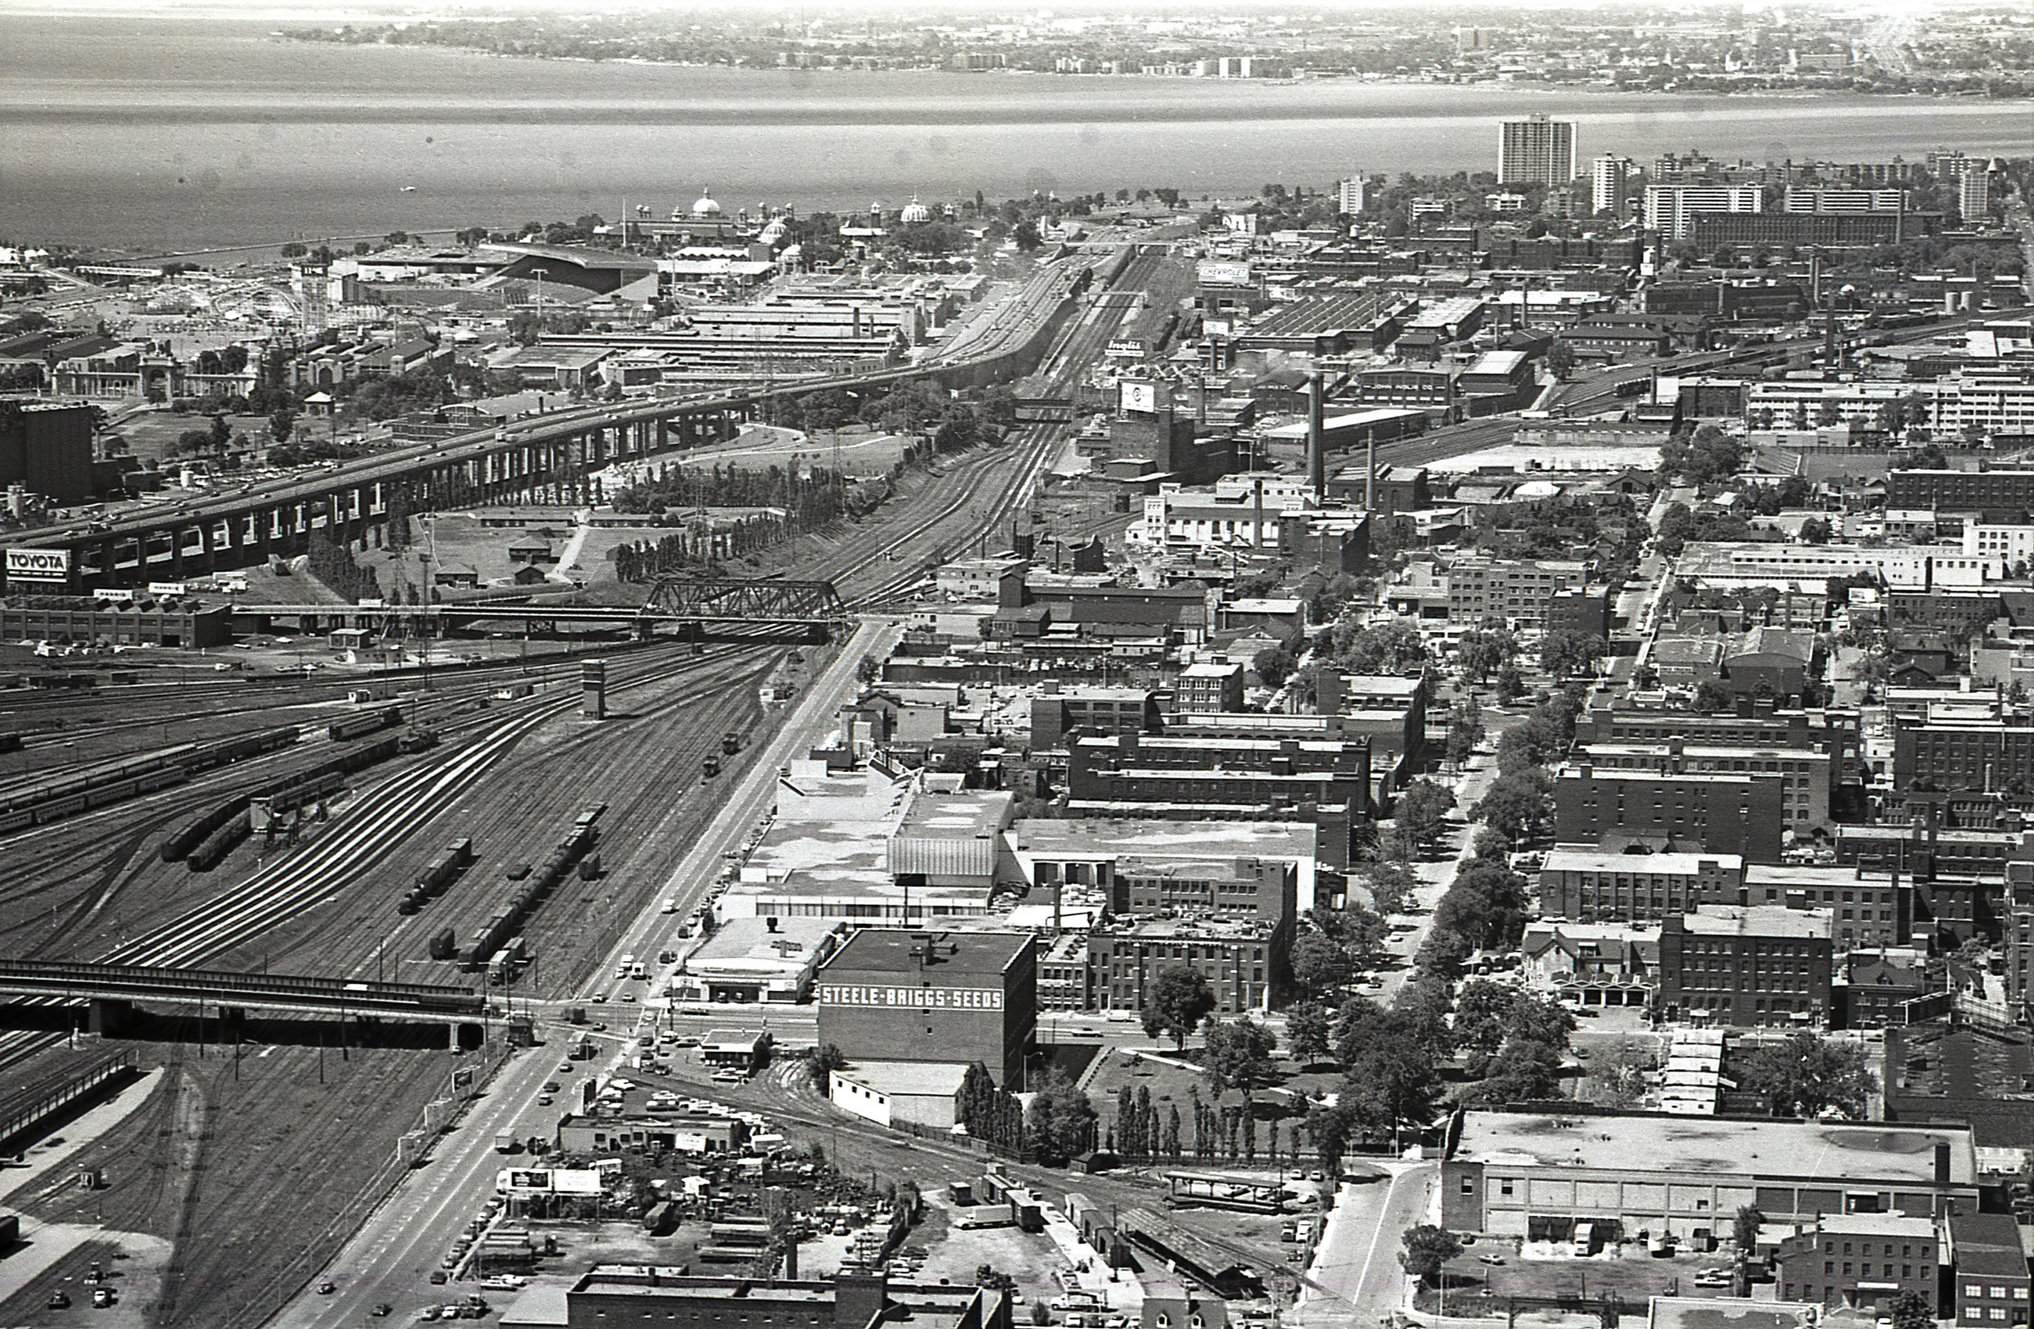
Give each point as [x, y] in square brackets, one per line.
[907, 1077]
[761, 946]
[1160, 838]
[976, 813]
[1564, 859]
[1758, 920]
[1833, 1151]
[1730, 1313]
[889, 950]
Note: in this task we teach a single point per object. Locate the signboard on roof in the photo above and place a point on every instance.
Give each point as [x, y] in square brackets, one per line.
[1219, 272]
[39, 565]
[913, 998]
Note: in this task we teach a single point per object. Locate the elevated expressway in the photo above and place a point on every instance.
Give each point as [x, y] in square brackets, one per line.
[520, 462]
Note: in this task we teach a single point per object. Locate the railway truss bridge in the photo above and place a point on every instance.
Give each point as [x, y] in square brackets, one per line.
[693, 608]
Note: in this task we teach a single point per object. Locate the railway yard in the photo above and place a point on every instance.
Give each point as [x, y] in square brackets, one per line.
[254, 1157]
[245, 816]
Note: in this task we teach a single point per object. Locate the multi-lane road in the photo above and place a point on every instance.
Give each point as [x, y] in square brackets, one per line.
[390, 1258]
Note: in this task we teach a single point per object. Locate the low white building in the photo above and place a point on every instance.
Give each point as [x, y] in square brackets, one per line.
[765, 959]
[900, 1093]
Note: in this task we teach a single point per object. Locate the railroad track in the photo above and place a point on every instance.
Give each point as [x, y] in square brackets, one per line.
[380, 818]
[1078, 345]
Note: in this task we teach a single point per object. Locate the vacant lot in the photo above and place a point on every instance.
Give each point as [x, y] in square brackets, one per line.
[1632, 1274]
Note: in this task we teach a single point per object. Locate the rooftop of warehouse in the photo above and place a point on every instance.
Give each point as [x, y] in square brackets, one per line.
[1730, 1313]
[1714, 1145]
[1190, 929]
[1988, 1244]
[967, 813]
[764, 943]
[1328, 313]
[1567, 858]
[1158, 807]
[1139, 837]
[891, 951]
[821, 854]
[1758, 920]
[908, 1077]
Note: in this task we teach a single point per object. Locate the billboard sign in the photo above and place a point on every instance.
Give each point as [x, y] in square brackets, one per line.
[52, 565]
[547, 1181]
[914, 998]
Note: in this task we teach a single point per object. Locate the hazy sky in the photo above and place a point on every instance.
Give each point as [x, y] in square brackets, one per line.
[355, 10]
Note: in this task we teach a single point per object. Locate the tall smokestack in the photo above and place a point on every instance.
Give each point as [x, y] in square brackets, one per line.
[1370, 472]
[1317, 465]
[1257, 513]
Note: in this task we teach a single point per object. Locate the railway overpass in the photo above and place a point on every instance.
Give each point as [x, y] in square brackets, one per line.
[110, 993]
[744, 609]
[535, 459]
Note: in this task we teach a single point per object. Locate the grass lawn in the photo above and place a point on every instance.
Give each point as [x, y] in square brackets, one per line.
[150, 433]
[861, 451]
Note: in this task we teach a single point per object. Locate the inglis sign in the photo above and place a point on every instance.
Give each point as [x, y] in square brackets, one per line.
[38, 565]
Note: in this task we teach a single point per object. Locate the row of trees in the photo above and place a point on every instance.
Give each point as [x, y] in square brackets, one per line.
[810, 500]
[331, 562]
[646, 560]
[1059, 1125]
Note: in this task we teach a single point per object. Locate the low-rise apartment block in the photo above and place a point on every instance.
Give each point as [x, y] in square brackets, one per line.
[1595, 885]
[1747, 966]
[1860, 1262]
[1244, 962]
[1716, 814]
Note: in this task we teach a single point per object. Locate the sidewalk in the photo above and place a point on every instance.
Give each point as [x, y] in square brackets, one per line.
[78, 1133]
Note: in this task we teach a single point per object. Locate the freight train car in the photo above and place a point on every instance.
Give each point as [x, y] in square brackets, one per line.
[178, 844]
[526, 888]
[225, 751]
[382, 717]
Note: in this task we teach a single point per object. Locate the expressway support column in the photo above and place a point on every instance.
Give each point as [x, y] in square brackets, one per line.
[108, 1016]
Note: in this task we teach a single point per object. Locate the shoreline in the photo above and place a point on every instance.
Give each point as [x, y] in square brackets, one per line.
[1316, 79]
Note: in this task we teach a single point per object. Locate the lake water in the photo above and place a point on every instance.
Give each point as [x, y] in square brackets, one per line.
[161, 135]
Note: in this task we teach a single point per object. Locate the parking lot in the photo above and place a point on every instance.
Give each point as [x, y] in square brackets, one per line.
[1625, 1271]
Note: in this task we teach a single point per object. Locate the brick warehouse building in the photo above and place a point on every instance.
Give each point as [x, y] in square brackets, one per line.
[1532, 1175]
[895, 994]
[1684, 812]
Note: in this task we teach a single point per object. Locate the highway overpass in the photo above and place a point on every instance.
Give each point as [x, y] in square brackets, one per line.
[532, 460]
